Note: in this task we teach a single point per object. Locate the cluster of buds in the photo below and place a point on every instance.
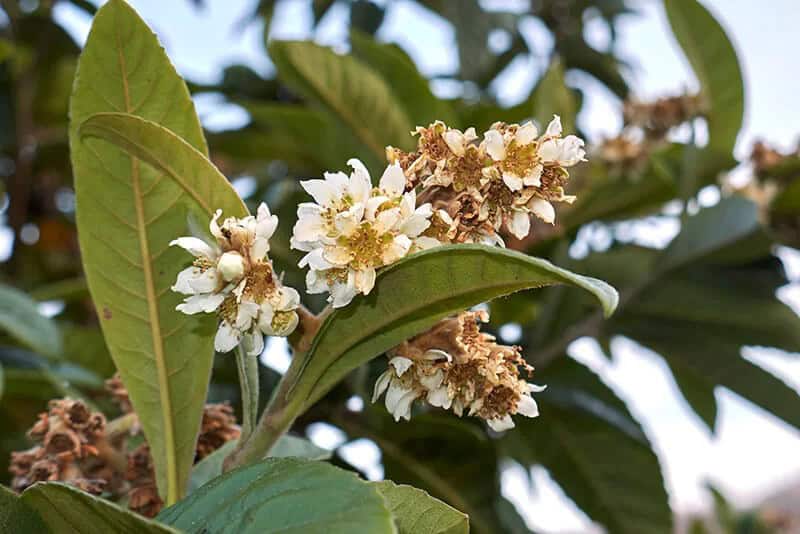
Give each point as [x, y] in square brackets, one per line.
[658, 117]
[477, 187]
[456, 366]
[71, 446]
[234, 278]
[76, 446]
[351, 229]
[647, 124]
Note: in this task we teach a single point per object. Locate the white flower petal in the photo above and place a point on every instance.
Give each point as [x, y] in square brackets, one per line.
[316, 282]
[527, 407]
[554, 128]
[213, 226]
[495, 145]
[542, 209]
[534, 178]
[365, 281]
[526, 133]
[455, 141]
[432, 381]
[401, 364]
[185, 283]
[195, 246]
[320, 190]
[359, 187]
[342, 294]
[415, 225]
[200, 303]
[399, 400]
[337, 255]
[435, 355]
[227, 338]
[265, 314]
[381, 384]
[398, 248]
[512, 181]
[346, 222]
[549, 151]
[535, 388]
[571, 151]
[424, 243]
[372, 206]
[386, 220]
[393, 181]
[440, 397]
[266, 223]
[501, 424]
[360, 170]
[520, 224]
[339, 183]
[248, 311]
[316, 260]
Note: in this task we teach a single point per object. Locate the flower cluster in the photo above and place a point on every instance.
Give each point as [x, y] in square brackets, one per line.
[658, 117]
[70, 441]
[234, 278]
[456, 366]
[476, 188]
[351, 229]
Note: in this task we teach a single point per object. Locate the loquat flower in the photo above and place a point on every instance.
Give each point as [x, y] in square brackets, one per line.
[234, 278]
[457, 367]
[351, 229]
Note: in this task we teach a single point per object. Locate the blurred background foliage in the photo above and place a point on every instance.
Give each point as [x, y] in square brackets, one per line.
[696, 302]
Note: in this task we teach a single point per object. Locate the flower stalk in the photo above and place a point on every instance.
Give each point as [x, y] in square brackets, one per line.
[247, 367]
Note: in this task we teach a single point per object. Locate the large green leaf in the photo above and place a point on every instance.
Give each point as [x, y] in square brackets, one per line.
[716, 66]
[416, 512]
[210, 467]
[595, 450]
[66, 510]
[283, 495]
[703, 298]
[16, 516]
[349, 90]
[20, 317]
[414, 293]
[127, 214]
[411, 90]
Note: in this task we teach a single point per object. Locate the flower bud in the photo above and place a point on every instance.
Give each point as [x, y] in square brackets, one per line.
[231, 266]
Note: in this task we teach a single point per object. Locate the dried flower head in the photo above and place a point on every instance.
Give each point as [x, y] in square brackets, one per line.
[69, 439]
[217, 428]
[234, 278]
[351, 229]
[456, 366]
[658, 117]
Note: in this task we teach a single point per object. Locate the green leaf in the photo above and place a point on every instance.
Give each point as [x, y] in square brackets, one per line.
[595, 450]
[416, 512]
[66, 510]
[210, 467]
[17, 516]
[410, 88]
[20, 317]
[416, 292]
[713, 59]
[347, 89]
[127, 214]
[552, 96]
[283, 495]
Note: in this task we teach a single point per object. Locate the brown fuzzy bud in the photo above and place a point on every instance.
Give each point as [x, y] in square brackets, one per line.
[119, 393]
[218, 427]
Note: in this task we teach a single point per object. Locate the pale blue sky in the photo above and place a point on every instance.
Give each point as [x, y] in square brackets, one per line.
[753, 453]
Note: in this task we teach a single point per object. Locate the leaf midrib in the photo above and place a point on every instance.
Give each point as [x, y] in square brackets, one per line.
[152, 303]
